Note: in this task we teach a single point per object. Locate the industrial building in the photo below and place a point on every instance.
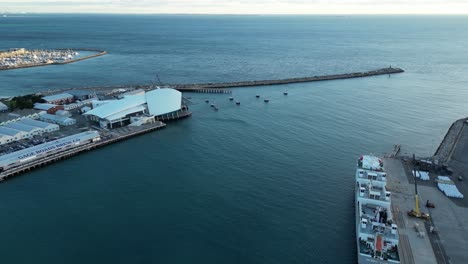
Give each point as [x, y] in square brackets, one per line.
[82, 94]
[20, 157]
[46, 127]
[50, 108]
[61, 98]
[29, 130]
[117, 113]
[25, 128]
[13, 133]
[55, 119]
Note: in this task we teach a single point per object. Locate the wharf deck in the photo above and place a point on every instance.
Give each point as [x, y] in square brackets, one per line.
[109, 138]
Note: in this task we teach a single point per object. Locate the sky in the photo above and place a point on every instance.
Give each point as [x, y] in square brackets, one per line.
[238, 6]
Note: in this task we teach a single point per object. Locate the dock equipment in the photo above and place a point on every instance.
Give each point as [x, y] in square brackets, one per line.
[416, 212]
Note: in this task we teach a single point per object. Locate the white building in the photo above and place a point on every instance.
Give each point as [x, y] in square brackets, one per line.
[163, 101]
[30, 131]
[46, 127]
[24, 128]
[13, 133]
[117, 113]
[4, 139]
[60, 120]
[43, 106]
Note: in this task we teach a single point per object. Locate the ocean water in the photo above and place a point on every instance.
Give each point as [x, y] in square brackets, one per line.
[255, 183]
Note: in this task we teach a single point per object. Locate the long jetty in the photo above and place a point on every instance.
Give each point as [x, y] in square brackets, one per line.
[196, 87]
[221, 87]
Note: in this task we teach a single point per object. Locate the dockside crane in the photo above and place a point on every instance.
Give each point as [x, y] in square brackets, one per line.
[416, 212]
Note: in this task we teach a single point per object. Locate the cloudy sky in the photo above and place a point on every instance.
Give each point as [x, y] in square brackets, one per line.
[239, 6]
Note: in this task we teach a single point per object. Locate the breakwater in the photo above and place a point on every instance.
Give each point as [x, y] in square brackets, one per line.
[445, 150]
[195, 87]
[212, 87]
[30, 65]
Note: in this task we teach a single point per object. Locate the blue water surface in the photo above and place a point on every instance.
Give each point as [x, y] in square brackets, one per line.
[255, 183]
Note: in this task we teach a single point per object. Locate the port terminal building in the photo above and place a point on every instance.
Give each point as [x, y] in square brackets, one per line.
[118, 113]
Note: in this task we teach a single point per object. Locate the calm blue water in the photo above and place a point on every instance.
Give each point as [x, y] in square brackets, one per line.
[259, 183]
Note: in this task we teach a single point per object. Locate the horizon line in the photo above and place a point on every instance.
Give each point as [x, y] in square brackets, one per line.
[239, 14]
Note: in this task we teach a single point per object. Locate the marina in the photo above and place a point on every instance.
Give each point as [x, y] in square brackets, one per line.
[18, 58]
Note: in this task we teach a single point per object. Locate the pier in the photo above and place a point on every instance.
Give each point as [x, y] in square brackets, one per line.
[108, 137]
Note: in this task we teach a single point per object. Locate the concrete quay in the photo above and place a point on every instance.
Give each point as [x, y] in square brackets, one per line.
[449, 243]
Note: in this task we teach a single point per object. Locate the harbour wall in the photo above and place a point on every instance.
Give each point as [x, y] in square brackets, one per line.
[194, 87]
[446, 147]
[212, 87]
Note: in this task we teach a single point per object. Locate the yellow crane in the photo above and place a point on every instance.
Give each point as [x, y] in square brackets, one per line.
[416, 212]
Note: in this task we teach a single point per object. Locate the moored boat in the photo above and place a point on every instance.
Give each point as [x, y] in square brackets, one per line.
[376, 231]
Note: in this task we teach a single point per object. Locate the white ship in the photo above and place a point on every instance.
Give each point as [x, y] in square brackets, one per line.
[376, 231]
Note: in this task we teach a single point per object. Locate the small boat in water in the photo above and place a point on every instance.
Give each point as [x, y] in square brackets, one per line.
[266, 100]
[285, 93]
[212, 105]
[231, 98]
[258, 96]
[237, 103]
[207, 101]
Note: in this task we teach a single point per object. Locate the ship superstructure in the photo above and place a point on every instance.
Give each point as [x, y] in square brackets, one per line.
[376, 231]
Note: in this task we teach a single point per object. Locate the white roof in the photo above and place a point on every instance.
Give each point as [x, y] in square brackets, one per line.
[62, 119]
[163, 101]
[122, 114]
[115, 107]
[21, 127]
[44, 106]
[9, 132]
[36, 123]
[57, 97]
[61, 142]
